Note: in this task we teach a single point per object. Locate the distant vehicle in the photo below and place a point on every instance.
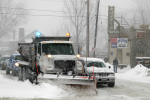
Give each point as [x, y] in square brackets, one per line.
[145, 61]
[5, 63]
[11, 64]
[97, 67]
[2, 60]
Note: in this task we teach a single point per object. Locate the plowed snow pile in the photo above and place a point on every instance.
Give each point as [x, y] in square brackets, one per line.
[138, 73]
[138, 70]
[51, 90]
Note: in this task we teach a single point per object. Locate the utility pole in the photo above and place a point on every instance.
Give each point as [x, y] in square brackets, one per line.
[118, 37]
[77, 35]
[14, 34]
[96, 27]
[87, 36]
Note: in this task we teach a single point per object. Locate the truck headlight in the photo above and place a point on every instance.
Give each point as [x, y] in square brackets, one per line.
[49, 56]
[69, 73]
[96, 74]
[78, 56]
[16, 64]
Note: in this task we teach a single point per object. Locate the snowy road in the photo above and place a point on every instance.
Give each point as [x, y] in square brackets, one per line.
[123, 90]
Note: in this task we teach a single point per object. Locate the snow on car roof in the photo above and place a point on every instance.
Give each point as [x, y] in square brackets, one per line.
[16, 54]
[142, 57]
[91, 59]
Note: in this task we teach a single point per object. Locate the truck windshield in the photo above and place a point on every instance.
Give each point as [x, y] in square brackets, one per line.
[96, 64]
[58, 49]
[19, 58]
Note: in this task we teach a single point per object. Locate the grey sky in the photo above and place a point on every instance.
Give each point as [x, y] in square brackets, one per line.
[46, 24]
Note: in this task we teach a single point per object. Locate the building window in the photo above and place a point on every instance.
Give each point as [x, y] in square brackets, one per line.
[127, 54]
[111, 53]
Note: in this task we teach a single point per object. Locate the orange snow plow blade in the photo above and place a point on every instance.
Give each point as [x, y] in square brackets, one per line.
[64, 79]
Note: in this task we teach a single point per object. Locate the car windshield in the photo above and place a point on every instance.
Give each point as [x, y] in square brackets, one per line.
[18, 58]
[96, 64]
[58, 49]
[4, 58]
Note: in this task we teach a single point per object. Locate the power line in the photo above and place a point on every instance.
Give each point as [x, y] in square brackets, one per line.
[55, 0]
[34, 9]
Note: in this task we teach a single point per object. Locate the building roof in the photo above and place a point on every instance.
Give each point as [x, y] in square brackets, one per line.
[28, 38]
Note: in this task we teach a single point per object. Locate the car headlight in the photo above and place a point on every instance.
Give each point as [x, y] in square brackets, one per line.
[49, 56]
[16, 64]
[112, 74]
[78, 56]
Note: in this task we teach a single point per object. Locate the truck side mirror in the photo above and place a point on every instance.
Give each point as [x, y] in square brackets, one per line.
[109, 67]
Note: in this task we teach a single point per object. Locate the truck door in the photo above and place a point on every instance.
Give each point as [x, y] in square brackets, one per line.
[10, 61]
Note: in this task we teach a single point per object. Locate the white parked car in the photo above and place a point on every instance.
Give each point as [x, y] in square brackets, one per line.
[104, 74]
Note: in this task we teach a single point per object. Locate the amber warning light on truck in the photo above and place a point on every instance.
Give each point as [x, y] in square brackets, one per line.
[67, 34]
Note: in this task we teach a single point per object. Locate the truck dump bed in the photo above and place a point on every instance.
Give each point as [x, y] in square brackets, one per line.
[27, 50]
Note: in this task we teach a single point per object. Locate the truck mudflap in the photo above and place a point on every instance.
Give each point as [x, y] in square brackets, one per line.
[64, 79]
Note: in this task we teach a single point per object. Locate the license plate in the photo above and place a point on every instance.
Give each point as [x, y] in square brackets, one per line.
[104, 79]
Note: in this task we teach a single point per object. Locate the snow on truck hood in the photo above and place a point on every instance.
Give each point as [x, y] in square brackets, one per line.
[98, 70]
[63, 57]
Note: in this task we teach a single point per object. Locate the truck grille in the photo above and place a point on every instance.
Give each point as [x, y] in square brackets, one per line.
[65, 65]
[103, 74]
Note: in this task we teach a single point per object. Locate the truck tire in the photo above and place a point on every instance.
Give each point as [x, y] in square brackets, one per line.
[111, 84]
[20, 74]
[7, 71]
[24, 74]
[3, 68]
[13, 72]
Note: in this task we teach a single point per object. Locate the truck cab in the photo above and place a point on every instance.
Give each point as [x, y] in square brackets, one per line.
[52, 55]
[50, 58]
[56, 56]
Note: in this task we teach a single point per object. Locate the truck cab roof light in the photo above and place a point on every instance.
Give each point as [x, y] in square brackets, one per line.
[67, 34]
[38, 34]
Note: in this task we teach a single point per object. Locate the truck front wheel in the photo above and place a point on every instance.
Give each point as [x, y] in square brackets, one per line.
[111, 84]
[13, 72]
[7, 71]
[22, 74]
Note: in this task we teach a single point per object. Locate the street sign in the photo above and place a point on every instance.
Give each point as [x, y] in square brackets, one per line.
[140, 34]
[93, 49]
[144, 26]
[111, 19]
[119, 42]
[122, 42]
[113, 42]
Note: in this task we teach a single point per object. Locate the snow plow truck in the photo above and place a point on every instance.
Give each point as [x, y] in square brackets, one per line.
[51, 58]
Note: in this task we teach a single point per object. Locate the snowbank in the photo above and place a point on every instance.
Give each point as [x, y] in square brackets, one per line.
[139, 73]
[13, 88]
[49, 90]
[138, 70]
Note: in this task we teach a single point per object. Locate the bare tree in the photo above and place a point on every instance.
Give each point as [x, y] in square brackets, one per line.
[11, 15]
[75, 12]
[140, 46]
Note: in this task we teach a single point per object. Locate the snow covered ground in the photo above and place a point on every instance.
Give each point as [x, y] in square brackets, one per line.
[131, 84]
[139, 74]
